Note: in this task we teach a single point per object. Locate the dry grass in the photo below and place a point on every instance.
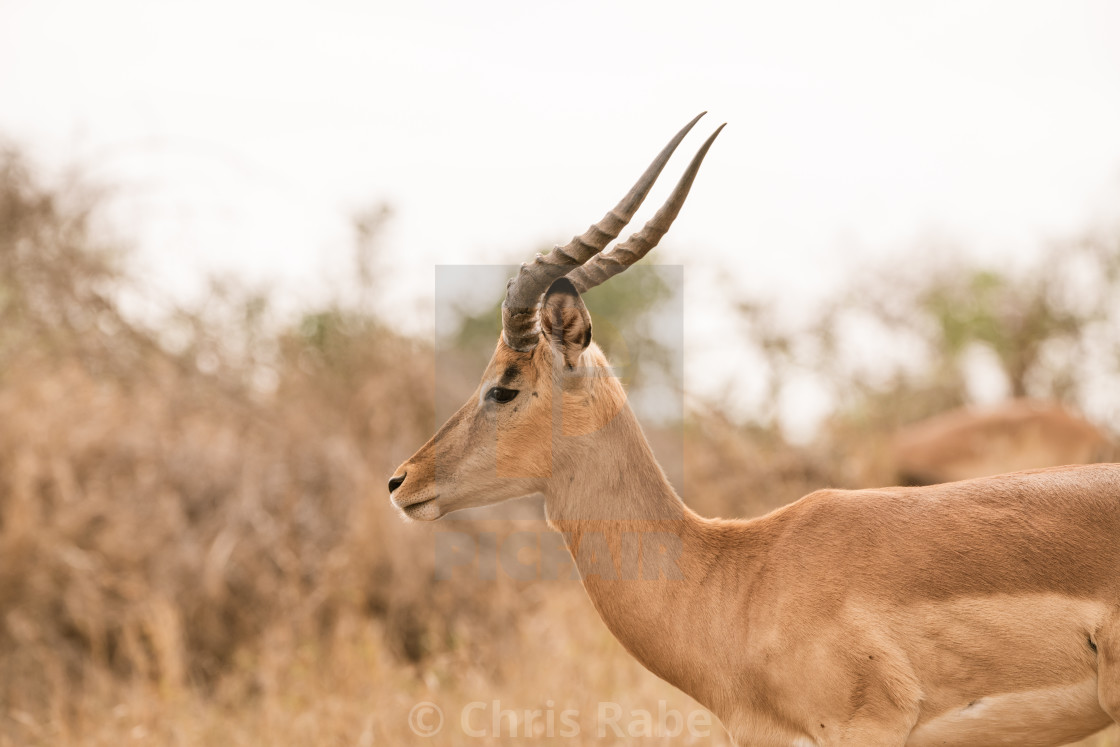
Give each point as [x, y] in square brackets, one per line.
[189, 557]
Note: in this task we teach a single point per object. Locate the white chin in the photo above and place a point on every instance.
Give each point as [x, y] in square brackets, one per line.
[427, 511]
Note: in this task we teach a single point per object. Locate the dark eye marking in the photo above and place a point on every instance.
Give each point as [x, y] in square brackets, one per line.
[501, 395]
[511, 372]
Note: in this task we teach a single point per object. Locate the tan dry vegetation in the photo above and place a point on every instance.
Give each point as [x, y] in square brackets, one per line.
[188, 557]
[184, 564]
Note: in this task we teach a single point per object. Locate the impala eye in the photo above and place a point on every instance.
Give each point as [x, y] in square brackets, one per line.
[501, 395]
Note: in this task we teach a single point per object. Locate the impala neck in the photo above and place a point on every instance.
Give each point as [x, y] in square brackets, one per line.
[647, 561]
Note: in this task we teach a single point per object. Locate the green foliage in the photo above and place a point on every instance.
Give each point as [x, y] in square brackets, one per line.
[622, 325]
[1015, 317]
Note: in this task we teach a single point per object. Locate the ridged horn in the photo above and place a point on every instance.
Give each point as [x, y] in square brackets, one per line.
[520, 309]
[604, 266]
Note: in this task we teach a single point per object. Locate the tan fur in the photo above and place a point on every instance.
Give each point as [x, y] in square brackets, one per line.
[970, 613]
[1016, 434]
[871, 617]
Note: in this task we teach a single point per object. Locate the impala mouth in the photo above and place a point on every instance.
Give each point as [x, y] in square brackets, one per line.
[421, 510]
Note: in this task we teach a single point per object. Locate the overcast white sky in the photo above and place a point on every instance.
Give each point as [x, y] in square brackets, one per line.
[242, 134]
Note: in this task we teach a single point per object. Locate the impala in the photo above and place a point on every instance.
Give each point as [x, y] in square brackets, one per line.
[973, 613]
[1013, 435]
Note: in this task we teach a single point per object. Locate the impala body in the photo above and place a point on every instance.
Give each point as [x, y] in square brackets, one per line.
[981, 612]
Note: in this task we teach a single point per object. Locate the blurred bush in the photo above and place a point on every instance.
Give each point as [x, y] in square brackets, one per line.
[903, 343]
[193, 500]
[189, 496]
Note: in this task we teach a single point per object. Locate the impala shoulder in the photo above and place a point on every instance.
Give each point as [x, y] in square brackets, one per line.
[832, 515]
[828, 500]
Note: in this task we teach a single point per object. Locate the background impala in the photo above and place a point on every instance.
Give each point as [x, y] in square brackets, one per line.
[1013, 435]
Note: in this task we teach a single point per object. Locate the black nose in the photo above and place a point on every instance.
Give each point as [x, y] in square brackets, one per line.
[395, 482]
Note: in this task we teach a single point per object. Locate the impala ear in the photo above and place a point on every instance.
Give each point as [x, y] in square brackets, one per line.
[565, 321]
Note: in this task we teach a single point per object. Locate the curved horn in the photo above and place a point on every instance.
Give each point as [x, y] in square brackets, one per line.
[520, 323]
[602, 267]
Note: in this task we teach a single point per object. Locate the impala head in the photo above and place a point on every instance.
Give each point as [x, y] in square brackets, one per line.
[548, 388]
